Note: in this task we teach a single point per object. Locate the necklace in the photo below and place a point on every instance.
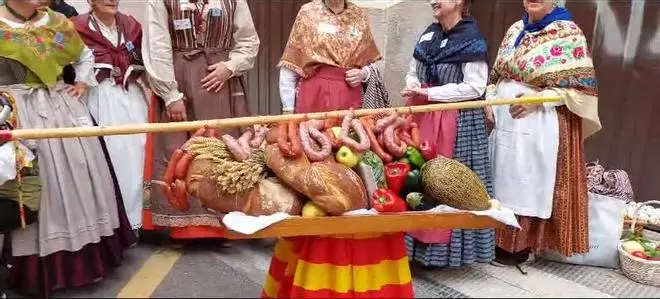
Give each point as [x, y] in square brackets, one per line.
[19, 16]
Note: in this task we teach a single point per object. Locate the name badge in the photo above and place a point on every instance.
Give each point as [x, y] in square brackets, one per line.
[443, 43]
[426, 37]
[216, 11]
[185, 5]
[182, 24]
[129, 46]
[325, 28]
[84, 121]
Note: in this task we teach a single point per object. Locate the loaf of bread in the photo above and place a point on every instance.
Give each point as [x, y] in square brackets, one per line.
[333, 187]
[267, 197]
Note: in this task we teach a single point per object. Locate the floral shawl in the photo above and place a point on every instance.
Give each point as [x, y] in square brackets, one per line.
[320, 37]
[555, 58]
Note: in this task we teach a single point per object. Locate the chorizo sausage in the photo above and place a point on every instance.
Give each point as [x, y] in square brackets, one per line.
[375, 147]
[309, 132]
[296, 146]
[171, 165]
[211, 132]
[357, 126]
[384, 122]
[200, 132]
[324, 141]
[235, 148]
[282, 140]
[271, 136]
[244, 141]
[181, 169]
[258, 139]
[415, 134]
[397, 150]
[180, 196]
[405, 137]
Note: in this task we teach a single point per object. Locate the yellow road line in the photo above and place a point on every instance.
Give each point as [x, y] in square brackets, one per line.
[145, 281]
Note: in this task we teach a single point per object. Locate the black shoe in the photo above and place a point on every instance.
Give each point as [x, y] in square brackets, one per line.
[504, 258]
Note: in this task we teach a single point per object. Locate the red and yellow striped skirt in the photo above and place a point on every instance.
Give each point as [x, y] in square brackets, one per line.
[356, 266]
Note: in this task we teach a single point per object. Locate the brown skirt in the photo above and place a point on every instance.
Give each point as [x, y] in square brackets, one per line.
[567, 230]
[190, 67]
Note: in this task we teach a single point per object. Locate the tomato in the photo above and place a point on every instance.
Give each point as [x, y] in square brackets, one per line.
[641, 254]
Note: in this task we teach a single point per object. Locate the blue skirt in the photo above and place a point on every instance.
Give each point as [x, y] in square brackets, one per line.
[466, 248]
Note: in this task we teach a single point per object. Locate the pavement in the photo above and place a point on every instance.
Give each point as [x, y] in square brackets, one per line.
[204, 270]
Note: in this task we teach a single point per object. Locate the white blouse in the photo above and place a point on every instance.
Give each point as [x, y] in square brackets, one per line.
[475, 80]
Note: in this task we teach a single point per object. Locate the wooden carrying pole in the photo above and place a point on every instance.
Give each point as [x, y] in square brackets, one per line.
[6, 135]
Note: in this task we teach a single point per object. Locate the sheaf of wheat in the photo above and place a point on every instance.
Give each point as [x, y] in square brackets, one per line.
[231, 176]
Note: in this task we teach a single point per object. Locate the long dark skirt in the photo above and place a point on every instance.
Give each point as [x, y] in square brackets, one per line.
[40, 276]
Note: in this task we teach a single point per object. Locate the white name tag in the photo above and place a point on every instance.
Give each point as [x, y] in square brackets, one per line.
[216, 11]
[185, 5]
[84, 121]
[443, 43]
[325, 28]
[426, 37]
[182, 24]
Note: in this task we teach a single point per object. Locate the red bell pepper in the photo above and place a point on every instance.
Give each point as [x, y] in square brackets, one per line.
[395, 175]
[385, 200]
[640, 254]
[428, 151]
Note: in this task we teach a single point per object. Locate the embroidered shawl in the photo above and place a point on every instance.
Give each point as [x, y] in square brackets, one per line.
[558, 58]
[43, 50]
[320, 37]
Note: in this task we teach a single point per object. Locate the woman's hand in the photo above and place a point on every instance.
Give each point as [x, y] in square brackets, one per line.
[519, 111]
[214, 81]
[75, 90]
[414, 92]
[355, 77]
[176, 111]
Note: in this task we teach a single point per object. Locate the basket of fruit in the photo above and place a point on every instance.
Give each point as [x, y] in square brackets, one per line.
[639, 254]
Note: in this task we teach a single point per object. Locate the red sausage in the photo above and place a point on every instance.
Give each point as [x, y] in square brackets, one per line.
[235, 148]
[210, 132]
[405, 137]
[200, 132]
[171, 165]
[375, 146]
[396, 149]
[282, 140]
[296, 145]
[181, 169]
[180, 196]
[384, 122]
[415, 134]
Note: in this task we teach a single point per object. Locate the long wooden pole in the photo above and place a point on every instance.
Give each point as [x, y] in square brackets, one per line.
[6, 135]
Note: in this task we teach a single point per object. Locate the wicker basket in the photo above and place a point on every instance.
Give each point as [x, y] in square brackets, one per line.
[638, 269]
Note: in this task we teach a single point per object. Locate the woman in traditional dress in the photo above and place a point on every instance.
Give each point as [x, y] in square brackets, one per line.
[196, 53]
[330, 56]
[538, 150]
[116, 41]
[82, 228]
[449, 65]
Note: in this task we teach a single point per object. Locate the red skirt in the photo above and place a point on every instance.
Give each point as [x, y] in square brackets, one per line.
[327, 90]
[355, 266]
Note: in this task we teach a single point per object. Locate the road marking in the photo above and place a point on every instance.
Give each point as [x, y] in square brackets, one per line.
[145, 281]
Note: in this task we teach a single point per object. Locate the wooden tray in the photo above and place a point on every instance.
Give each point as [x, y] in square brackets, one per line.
[368, 224]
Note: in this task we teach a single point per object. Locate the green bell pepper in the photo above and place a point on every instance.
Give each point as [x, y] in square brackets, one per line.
[415, 157]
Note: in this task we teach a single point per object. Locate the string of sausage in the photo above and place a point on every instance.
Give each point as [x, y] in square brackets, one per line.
[348, 123]
[310, 131]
